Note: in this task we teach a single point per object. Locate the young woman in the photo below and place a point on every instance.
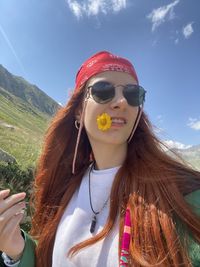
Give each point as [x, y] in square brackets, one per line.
[106, 193]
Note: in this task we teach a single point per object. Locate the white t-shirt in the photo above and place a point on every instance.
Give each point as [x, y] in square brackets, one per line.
[75, 223]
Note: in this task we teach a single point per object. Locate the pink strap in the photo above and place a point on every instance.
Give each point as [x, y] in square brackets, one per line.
[79, 134]
[126, 236]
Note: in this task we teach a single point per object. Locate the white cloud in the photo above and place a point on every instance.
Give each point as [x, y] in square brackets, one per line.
[175, 144]
[159, 15]
[92, 8]
[194, 124]
[188, 30]
[75, 8]
[118, 5]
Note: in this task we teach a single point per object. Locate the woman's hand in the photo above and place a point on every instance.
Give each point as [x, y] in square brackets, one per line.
[11, 213]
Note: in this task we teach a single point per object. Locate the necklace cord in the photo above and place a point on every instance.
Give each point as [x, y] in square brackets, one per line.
[90, 198]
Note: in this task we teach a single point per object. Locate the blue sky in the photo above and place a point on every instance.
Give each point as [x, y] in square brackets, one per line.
[47, 41]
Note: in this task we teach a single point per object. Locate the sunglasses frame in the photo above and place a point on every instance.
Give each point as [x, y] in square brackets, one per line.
[140, 88]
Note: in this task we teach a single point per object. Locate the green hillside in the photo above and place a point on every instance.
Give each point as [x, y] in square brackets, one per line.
[29, 93]
[21, 129]
[23, 121]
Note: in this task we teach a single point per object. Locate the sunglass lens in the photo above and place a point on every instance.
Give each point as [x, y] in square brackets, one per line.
[102, 92]
[134, 94]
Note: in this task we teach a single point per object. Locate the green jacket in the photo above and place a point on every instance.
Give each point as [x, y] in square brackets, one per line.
[28, 258]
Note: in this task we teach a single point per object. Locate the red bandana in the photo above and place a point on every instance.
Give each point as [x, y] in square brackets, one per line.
[100, 62]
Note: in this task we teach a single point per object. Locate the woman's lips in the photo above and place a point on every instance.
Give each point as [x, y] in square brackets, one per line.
[118, 121]
[117, 124]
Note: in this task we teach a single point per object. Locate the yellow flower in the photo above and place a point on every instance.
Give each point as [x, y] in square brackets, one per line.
[104, 122]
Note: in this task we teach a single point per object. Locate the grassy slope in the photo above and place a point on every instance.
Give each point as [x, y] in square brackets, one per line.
[24, 141]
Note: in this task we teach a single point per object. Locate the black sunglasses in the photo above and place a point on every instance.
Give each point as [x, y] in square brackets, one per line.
[103, 92]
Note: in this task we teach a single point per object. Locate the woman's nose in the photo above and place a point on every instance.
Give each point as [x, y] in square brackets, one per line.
[119, 101]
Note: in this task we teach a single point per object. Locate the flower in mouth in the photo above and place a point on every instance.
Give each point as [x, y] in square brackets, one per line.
[104, 122]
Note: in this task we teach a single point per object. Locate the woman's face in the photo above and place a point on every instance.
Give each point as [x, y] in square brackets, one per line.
[117, 107]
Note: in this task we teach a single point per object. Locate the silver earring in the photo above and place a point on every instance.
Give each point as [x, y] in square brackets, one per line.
[77, 124]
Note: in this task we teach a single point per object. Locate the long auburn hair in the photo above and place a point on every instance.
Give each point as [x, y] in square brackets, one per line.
[153, 185]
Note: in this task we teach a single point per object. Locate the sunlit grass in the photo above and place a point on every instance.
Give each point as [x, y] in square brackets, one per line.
[23, 138]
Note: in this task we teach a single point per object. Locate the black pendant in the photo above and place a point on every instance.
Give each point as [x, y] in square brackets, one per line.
[93, 224]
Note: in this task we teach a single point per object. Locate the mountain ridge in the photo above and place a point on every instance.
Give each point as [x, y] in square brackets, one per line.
[30, 93]
[25, 114]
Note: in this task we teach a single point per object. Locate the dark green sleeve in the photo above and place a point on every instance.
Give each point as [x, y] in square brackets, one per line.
[28, 257]
[194, 248]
